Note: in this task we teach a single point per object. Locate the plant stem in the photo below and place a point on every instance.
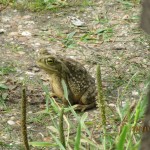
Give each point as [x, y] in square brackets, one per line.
[61, 129]
[101, 103]
[23, 119]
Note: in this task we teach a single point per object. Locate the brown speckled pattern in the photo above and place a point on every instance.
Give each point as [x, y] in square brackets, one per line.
[80, 84]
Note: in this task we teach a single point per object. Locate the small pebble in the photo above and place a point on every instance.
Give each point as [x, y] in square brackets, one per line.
[10, 122]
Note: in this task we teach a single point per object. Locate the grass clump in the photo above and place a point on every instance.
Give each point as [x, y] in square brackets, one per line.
[3, 94]
[121, 129]
[40, 5]
[5, 70]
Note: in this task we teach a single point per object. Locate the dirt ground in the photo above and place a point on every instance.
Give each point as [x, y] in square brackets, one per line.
[109, 36]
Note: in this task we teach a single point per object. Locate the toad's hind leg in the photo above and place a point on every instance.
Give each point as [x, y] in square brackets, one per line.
[88, 100]
[85, 107]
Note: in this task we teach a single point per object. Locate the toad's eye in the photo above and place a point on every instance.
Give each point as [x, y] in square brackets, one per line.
[49, 60]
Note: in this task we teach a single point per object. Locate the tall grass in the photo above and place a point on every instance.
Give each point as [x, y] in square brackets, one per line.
[124, 134]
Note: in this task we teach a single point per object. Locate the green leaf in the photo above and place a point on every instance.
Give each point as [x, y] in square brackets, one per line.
[83, 118]
[4, 96]
[78, 137]
[3, 87]
[40, 144]
[98, 31]
[57, 141]
[70, 35]
[120, 145]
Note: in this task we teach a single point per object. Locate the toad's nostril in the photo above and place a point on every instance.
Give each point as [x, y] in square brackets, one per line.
[41, 60]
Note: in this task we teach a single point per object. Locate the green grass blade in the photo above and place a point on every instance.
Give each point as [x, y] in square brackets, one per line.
[66, 96]
[120, 145]
[78, 137]
[57, 141]
[41, 144]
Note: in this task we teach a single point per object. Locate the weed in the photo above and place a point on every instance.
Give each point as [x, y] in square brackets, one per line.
[7, 69]
[105, 33]
[54, 129]
[101, 20]
[36, 5]
[69, 41]
[39, 5]
[14, 47]
[127, 4]
[89, 36]
[79, 3]
[134, 18]
[131, 118]
[4, 2]
[101, 103]
[3, 94]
